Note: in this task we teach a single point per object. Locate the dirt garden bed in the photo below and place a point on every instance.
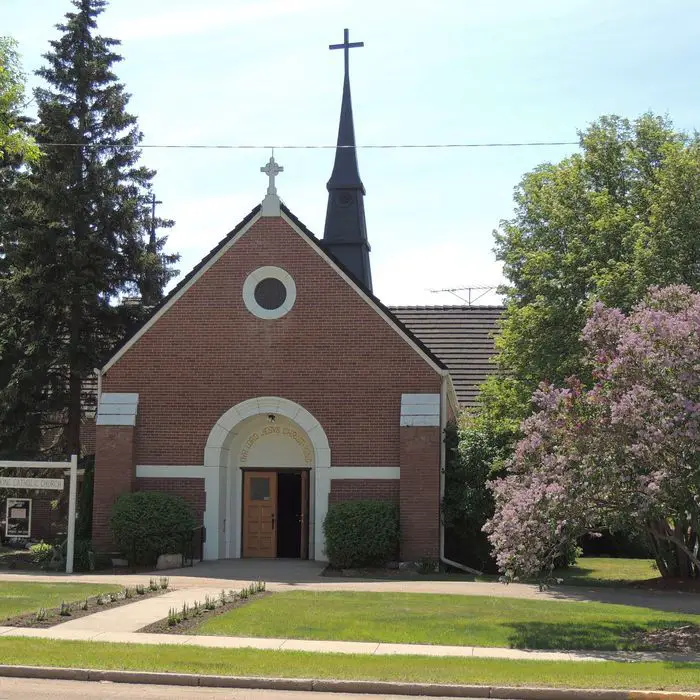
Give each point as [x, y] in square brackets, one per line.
[50, 617]
[186, 619]
[684, 638]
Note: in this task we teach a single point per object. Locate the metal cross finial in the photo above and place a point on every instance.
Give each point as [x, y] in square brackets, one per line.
[272, 170]
[346, 46]
[152, 234]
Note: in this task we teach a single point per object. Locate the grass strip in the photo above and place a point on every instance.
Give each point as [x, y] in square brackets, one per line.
[607, 571]
[415, 618]
[28, 597]
[291, 664]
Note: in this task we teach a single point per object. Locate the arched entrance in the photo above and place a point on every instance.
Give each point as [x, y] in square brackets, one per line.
[271, 457]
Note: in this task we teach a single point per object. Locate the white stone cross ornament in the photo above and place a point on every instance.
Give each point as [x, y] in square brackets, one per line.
[271, 203]
[272, 170]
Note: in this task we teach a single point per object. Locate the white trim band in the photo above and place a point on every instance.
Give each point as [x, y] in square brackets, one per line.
[117, 409]
[420, 409]
[166, 471]
[365, 472]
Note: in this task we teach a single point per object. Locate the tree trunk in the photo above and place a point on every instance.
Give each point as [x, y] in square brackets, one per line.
[675, 549]
[72, 438]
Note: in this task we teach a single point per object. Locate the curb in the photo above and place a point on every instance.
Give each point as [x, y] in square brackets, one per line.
[337, 686]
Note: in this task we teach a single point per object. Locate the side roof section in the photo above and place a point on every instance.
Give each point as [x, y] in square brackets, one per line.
[461, 336]
[215, 253]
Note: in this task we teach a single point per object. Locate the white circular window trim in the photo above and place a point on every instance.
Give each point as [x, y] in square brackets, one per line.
[257, 276]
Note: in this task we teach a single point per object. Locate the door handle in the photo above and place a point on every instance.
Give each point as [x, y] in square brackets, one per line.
[273, 521]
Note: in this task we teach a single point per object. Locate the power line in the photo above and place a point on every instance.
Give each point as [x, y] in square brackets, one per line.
[196, 146]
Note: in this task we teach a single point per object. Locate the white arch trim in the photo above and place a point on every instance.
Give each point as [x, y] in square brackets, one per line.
[217, 459]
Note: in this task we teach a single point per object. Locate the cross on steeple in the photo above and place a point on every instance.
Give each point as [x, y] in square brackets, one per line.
[272, 170]
[346, 46]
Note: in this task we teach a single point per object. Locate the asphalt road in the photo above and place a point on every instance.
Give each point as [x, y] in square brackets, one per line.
[16, 688]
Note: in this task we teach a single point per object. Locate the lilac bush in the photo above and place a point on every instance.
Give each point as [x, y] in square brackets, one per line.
[623, 453]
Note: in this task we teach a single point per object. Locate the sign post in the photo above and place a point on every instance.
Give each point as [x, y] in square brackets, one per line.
[72, 495]
[56, 484]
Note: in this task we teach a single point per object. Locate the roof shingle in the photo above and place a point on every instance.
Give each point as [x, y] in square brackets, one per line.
[461, 336]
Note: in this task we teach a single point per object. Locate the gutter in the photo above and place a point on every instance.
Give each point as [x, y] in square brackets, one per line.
[98, 372]
[443, 459]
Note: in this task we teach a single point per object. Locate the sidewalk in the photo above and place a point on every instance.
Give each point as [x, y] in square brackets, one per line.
[122, 624]
[319, 646]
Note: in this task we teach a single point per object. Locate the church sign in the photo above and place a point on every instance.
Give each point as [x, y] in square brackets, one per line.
[16, 482]
[18, 517]
[280, 431]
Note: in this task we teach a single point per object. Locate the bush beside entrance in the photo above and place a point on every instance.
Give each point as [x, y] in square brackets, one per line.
[147, 524]
[361, 533]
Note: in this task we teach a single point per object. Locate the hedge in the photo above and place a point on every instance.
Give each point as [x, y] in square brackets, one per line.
[147, 524]
[361, 533]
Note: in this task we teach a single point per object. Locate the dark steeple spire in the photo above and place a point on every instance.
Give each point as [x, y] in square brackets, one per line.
[345, 234]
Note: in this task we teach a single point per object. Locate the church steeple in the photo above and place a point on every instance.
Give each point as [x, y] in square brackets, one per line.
[345, 233]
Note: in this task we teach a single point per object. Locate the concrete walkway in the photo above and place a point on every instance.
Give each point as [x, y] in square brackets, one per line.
[122, 624]
[295, 574]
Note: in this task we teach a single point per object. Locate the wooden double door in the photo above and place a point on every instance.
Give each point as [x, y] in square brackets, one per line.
[276, 514]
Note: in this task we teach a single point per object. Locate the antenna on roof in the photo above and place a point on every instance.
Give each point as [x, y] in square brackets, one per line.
[484, 289]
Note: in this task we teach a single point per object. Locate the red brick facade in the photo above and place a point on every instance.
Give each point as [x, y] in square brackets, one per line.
[420, 492]
[114, 474]
[333, 354]
[364, 490]
[191, 490]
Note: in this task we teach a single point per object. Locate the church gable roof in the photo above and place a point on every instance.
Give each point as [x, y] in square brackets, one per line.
[210, 259]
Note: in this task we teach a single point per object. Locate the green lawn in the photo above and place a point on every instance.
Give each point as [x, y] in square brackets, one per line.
[589, 571]
[262, 663]
[28, 597]
[416, 618]
[607, 571]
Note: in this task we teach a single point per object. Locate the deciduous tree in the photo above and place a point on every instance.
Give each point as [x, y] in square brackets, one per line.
[622, 454]
[601, 225]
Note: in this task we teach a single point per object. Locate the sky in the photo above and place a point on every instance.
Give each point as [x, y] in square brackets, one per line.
[259, 72]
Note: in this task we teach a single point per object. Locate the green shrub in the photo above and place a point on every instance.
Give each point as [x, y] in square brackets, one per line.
[361, 533]
[147, 524]
[41, 553]
[83, 556]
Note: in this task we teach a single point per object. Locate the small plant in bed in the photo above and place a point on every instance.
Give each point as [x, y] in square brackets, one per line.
[192, 615]
[34, 604]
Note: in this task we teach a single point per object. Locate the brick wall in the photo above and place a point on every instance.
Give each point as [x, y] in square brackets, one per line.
[332, 353]
[114, 475]
[47, 522]
[420, 492]
[364, 490]
[192, 490]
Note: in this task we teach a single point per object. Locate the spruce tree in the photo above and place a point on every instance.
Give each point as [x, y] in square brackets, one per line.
[17, 150]
[82, 224]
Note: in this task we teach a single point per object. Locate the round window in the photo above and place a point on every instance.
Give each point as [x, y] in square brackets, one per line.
[269, 292]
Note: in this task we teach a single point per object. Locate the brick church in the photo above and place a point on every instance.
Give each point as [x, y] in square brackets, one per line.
[271, 383]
